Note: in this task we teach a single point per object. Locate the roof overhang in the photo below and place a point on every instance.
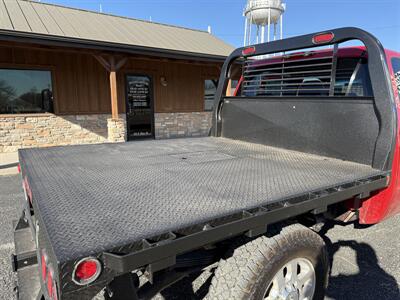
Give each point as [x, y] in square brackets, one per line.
[61, 41]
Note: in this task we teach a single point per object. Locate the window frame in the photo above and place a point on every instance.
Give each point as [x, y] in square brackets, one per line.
[35, 67]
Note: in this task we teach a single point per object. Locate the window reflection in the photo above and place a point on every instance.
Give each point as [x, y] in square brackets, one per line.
[210, 88]
[25, 91]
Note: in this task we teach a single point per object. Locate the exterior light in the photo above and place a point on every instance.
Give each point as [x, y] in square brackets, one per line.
[248, 51]
[86, 271]
[49, 282]
[163, 81]
[43, 264]
[48, 276]
[323, 38]
[51, 285]
[27, 189]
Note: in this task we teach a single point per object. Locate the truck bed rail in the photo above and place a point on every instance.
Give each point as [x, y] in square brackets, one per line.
[161, 254]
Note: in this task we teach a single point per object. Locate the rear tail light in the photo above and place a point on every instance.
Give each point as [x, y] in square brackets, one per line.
[54, 296]
[51, 285]
[48, 276]
[86, 271]
[27, 188]
[49, 282]
[43, 265]
[19, 168]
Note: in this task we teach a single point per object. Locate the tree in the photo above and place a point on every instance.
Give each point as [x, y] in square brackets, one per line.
[7, 94]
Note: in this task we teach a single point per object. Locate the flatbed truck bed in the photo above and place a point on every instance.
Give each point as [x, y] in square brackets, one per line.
[292, 148]
[155, 187]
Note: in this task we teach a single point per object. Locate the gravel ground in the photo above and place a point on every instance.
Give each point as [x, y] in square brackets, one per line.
[366, 261]
[10, 207]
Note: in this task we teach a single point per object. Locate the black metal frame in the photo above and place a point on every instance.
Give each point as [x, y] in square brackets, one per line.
[162, 254]
[334, 67]
[378, 69]
[23, 258]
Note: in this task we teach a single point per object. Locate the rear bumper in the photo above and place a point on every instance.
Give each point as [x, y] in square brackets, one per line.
[24, 262]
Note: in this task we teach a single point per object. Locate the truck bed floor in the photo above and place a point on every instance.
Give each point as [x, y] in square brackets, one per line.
[96, 197]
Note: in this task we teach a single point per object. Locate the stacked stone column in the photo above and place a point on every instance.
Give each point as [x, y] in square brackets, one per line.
[116, 130]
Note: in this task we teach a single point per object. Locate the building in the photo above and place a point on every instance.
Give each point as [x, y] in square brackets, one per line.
[70, 76]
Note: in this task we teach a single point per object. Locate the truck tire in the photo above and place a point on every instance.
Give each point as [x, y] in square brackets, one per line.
[263, 268]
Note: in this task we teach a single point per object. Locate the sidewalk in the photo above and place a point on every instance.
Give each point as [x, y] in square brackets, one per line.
[8, 163]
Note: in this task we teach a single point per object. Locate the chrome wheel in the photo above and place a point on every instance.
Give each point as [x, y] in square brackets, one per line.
[294, 281]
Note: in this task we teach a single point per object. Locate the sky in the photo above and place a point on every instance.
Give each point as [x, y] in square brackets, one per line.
[380, 17]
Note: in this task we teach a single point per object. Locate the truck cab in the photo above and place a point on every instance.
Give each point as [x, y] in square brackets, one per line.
[310, 73]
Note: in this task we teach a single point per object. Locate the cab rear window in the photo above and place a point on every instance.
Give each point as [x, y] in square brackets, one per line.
[352, 78]
[308, 76]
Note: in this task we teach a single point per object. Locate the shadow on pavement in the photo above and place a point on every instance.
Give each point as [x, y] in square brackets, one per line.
[371, 281]
[185, 288]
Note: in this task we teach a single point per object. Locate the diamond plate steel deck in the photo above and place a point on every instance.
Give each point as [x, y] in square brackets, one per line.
[93, 198]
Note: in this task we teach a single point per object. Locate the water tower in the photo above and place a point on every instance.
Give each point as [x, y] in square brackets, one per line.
[260, 15]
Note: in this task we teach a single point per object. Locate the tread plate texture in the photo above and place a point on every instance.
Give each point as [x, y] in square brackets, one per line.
[93, 198]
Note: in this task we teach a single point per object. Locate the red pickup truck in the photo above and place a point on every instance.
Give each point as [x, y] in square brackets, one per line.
[387, 203]
[307, 137]
[352, 79]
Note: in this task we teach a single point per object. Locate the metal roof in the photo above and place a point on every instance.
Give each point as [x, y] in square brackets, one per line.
[49, 22]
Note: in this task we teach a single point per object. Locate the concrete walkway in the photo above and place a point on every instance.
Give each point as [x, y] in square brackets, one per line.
[8, 163]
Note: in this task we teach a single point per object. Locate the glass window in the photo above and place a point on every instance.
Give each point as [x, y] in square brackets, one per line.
[210, 88]
[234, 84]
[396, 71]
[352, 78]
[25, 91]
[396, 65]
[307, 77]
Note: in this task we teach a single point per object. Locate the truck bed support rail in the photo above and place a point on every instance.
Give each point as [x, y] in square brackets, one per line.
[251, 222]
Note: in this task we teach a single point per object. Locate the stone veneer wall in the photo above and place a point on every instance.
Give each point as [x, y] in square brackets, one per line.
[117, 129]
[46, 130]
[170, 125]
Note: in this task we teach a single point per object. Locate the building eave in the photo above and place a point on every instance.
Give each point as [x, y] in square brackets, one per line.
[62, 41]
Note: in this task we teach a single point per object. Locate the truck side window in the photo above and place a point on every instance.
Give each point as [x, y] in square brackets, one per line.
[396, 65]
[396, 71]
